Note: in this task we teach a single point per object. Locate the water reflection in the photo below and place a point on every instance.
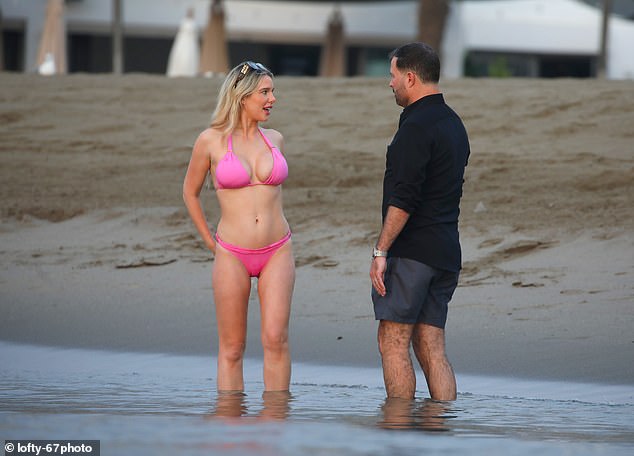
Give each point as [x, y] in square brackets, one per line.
[275, 405]
[230, 404]
[235, 404]
[427, 415]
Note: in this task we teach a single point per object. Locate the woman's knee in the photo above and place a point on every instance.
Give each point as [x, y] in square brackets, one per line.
[275, 341]
[231, 351]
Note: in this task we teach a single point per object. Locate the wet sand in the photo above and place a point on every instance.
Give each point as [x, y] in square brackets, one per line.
[98, 252]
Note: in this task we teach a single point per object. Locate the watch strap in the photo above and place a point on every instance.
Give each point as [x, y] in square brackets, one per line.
[378, 253]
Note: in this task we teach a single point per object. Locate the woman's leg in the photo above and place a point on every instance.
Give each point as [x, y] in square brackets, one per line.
[275, 288]
[232, 285]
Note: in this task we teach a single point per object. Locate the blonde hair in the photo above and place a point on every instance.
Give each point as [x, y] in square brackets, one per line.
[233, 90]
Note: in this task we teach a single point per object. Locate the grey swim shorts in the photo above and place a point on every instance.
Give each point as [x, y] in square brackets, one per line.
[416, 293]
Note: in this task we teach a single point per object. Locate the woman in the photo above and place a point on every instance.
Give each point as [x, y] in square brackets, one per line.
[253, 237]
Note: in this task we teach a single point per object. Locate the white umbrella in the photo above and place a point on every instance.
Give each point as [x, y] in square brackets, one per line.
[183, 59]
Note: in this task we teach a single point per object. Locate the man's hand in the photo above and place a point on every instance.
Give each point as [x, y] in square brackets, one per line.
[377, 271]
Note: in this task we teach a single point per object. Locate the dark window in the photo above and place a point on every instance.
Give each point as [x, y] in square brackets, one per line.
[290, 60]
[13, 50]
[498, 64]
[566, 67]
[89, 53]
[146, 55]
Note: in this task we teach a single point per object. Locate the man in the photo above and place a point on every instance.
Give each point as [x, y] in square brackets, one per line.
[417, 257]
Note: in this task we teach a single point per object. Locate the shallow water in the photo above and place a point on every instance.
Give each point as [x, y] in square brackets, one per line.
[137, 403]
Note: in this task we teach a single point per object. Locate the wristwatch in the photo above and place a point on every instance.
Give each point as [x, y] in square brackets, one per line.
[378, 253]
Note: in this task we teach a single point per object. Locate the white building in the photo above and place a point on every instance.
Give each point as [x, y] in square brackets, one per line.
[494, 37]
[535, 38]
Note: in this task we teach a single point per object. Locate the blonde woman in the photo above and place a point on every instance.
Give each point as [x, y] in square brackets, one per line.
[253, 238]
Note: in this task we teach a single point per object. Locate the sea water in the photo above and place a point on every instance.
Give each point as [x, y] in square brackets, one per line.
[159, 404]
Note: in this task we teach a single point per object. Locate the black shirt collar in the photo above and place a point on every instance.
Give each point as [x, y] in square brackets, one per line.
[436, 98]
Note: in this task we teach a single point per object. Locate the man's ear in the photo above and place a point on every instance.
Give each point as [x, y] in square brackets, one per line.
[411, 79]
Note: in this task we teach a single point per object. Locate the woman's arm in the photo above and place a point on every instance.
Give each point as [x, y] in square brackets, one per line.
[197, 170]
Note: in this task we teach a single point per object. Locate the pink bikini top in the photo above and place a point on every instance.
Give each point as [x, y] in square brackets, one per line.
[231, 174]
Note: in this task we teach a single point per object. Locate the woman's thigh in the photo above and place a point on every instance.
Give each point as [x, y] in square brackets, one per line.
[232, 286]
[275, 289]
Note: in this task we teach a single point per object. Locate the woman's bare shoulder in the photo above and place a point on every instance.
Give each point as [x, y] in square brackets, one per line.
[275, 137]
[210, 141]
[272, 134]
[210, 135]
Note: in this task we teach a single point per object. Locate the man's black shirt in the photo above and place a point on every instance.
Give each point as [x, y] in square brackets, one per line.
[423, 176]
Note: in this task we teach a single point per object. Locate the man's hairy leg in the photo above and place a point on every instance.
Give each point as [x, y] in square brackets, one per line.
[398, 372]
[429, 346]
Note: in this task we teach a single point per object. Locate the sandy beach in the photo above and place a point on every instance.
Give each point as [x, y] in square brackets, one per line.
[98, 252]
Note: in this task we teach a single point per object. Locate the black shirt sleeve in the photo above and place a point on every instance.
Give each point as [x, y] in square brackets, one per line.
[409, 153]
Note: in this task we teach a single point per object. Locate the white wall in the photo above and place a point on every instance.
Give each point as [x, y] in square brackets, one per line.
[559, 27]
[528, 26]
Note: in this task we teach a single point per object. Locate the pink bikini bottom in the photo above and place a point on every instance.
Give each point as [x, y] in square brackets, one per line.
[254, 260]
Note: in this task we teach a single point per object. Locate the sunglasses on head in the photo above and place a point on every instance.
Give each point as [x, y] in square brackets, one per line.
[246, 67]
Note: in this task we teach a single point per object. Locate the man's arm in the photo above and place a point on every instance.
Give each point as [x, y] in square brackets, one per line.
[395, 220]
